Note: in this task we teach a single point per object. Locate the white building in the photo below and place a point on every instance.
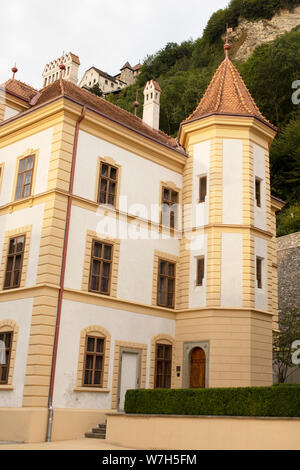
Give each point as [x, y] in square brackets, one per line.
[129, 258]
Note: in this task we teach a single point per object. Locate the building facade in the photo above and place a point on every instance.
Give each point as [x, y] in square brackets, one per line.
[129, 258]
[108, 83]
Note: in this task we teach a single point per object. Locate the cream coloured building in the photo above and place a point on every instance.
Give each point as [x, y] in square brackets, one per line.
[129, 258]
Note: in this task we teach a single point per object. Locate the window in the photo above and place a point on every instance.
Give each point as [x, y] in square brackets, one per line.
[166, 284]
[259, 272]
[258, 192]
[94, 361]
[107, 184]
[25, 177]
[202, 188]
[200, 271]
[1, 173]
[5, 353]
[106, 82]
[14, 262]
[163, 366]
[169, 207]
[101, 266]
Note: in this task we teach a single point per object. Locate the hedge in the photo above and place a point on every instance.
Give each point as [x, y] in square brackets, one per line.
[247, 401]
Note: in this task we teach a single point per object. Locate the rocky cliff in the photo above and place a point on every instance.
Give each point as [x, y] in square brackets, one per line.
[248, 35]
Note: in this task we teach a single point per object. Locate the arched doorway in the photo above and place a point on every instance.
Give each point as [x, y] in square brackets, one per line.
[197, 368]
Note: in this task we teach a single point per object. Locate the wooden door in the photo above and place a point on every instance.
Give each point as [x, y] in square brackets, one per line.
[197, 368]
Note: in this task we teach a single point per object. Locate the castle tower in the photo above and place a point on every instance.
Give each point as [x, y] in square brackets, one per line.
[229, 235]
[151, 106]
[127, 74]
[51, 70]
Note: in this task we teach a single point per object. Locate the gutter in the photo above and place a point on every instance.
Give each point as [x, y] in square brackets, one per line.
[62, 278]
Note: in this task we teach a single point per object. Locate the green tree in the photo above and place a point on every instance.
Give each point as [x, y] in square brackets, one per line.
[96, 90]
[288, 332]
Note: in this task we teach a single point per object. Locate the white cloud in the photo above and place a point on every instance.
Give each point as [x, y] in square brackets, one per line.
[103, 33]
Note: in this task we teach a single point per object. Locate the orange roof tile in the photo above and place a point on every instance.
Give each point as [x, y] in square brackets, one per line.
[20, 89]
[107, 109]
[227, 94]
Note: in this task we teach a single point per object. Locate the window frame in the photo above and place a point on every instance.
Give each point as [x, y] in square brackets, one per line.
[94, 354]
[257, 191]
[167, 277]
[198, 259]
[108, 180]
[32, 170]
[169, 202]
[164, 360]
[201, 199]
[259, 272]
[11, 333]
[102, 260]
[9, 255]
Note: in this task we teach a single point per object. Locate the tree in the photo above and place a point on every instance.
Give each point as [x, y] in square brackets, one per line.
[96, 90]
[288, 332]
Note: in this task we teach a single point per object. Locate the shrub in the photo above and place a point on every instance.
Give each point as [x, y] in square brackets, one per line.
[246, 401]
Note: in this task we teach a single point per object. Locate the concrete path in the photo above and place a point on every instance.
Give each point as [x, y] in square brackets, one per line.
[80, 444]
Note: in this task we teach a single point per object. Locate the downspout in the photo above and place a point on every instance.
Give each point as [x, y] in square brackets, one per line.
[62, 277]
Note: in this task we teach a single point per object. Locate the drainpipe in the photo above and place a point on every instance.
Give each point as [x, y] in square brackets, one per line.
[62, 277]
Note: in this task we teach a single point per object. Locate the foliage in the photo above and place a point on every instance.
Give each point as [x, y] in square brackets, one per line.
[288, 220]
[246, 401]
[289, 331]
[96, 89]
[269, 74]
[249, 9]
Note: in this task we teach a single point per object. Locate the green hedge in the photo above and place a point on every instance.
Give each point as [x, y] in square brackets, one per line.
[246, 401]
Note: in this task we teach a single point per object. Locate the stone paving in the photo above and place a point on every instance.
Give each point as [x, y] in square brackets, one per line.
[80, 444]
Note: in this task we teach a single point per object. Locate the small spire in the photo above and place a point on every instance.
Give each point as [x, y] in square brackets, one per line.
[14, 71]
[136, 103]
[61, 67]
[227, 45]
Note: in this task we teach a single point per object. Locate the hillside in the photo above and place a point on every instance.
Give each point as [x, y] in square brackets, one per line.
[268, 59]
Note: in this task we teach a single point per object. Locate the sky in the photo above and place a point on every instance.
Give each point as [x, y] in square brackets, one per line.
[104, 33]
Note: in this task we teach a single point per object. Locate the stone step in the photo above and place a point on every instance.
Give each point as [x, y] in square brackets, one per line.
[99, 430]
[94, 435]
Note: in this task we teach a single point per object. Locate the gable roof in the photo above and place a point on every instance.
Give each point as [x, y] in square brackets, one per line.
[227, 94]
[64, 88]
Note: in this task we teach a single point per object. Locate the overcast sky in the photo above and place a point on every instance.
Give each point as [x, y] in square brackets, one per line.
[103, 33]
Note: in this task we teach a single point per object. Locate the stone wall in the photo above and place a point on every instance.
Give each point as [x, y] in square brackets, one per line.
[288, 258]
[248, 35]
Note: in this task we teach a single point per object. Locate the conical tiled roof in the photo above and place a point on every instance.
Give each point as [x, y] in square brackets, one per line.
[227, 94]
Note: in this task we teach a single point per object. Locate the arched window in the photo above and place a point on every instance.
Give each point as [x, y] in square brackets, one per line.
[94, 354]
[8, 341]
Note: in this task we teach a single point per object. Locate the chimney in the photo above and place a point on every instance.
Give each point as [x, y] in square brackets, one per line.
[151, 107]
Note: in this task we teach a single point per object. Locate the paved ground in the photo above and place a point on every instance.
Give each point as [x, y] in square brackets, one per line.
[80, 444]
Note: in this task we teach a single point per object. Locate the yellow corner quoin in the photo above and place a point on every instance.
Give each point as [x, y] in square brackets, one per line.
[228, 318]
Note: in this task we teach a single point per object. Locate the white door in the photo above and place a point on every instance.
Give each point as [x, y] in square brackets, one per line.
[130, 376]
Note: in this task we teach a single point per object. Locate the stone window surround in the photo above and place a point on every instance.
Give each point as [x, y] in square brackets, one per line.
[8, 325]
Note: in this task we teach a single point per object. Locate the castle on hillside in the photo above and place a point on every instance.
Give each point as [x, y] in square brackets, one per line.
[128, 258]
[93, 76]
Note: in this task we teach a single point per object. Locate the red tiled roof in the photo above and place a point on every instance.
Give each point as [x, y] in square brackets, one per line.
[156, 86]
[20, 89]
[227, 94]
[107, 109]
[137, 67]
[126, 66]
